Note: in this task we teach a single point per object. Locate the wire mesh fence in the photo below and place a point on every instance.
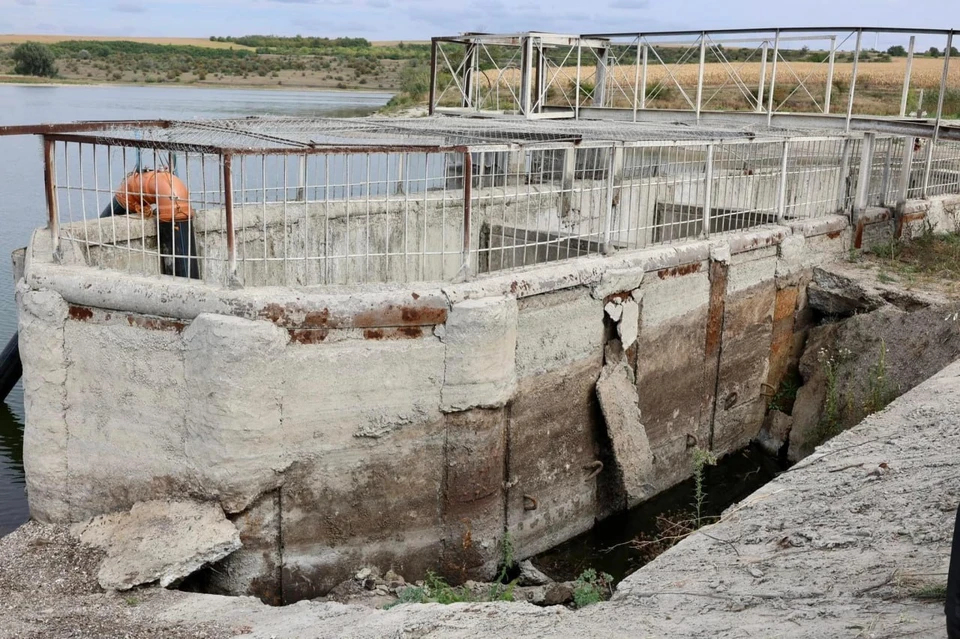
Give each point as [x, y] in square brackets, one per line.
[280, 208]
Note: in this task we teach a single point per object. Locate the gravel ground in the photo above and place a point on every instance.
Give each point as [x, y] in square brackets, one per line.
[48, 586]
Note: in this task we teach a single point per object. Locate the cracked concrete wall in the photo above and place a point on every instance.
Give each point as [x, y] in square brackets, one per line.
[407, 427]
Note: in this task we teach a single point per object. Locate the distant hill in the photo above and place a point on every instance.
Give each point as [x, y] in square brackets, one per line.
[52, 39]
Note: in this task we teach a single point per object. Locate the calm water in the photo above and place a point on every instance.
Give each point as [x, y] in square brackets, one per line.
[21, 192]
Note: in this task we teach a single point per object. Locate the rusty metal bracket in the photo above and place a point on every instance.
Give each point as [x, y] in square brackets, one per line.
[529, 503]
[595, 467]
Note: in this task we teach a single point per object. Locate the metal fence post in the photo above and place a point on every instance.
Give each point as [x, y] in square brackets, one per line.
[228, 218]
[708, 191]
[600, 78]
[465, 269]
[853, 78]
[905, 174]
[844, 188]
[863, 179]
[936, 127]
[763, 76]
[615, 167]
[643, 78]
[703, 57]
[782, 187]
[828, 90]
[773, 78]
[434, 44]
[636, 78]
[906, 77]
[50, 181]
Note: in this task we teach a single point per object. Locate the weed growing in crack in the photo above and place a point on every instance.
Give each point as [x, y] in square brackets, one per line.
[830, 422]
[591, 587]
[501, 590]
[878, 388]
[701, 459]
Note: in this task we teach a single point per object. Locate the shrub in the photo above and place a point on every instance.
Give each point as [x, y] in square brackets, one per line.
[33, 58]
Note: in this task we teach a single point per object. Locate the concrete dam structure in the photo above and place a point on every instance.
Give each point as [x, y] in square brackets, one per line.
[391, 354]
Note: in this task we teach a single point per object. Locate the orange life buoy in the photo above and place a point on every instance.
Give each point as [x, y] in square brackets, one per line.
[141, 191]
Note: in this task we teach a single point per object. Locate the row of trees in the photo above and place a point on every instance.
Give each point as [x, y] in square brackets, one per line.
[933, 52]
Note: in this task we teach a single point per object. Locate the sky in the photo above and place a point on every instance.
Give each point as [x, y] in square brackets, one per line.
[421, 19]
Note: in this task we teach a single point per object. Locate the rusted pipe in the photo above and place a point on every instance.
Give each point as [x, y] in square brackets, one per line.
[49, 183]
[228, 212]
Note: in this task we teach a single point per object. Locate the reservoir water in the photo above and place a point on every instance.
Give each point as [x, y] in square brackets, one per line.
[22, 202]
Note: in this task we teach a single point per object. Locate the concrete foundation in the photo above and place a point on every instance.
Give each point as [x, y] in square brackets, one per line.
[409, 427]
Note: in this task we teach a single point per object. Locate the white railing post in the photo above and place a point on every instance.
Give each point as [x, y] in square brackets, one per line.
[906, 77]
[866, 169]
[708, 192]
[782, 187]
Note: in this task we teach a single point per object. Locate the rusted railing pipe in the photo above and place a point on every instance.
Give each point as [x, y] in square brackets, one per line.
[228, 215]
[49, 183]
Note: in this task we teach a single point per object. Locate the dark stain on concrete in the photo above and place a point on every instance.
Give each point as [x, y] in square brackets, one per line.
[80, 313]
[679, 271]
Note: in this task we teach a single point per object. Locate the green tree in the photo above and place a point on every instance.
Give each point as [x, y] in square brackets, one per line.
[897, 51]
[933, 52]
[33, 58]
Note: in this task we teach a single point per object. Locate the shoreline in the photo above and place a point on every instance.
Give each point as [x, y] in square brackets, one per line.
[11, 80]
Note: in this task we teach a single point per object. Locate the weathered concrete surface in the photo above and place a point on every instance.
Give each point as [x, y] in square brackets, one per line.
[671, 360]
[745, 346]
[473, 496]
[552, 490]
[557, 330]
[616, 391]
[162, 541]
[480, 363]
[836, 547]
[42, 318]
[234, 392]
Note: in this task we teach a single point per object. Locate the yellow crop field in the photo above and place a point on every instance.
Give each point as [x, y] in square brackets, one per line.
[51, 39]
[881, 75]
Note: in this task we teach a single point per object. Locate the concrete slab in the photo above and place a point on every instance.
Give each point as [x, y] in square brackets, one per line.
[160, 540]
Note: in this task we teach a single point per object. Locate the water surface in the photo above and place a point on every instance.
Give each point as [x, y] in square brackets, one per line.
[22, 202]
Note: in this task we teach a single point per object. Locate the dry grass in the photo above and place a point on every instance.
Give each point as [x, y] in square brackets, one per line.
[51, 39]
[926, 74]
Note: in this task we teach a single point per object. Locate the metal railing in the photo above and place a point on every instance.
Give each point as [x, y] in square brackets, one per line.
[827, 71]
[321, 216]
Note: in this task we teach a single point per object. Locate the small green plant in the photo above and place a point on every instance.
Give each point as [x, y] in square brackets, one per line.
[441, 592]
[701, 459]
[786, 394]
[501, 590]
[930, 592]
[591, 587]
[410, 594]
[830, 422]
[878, 388]
[131, 601]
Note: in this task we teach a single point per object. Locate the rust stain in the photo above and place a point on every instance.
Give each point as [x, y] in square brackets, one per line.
[401, 332]
[392, 315]
[80, 313]
[909, 217]
[275, 313]
[786, 303]
[308, 336]
[680, 271]
[858, 238]
[718, 290]
[316, 319]
[414, 296]
[834, 234]
[155, 323]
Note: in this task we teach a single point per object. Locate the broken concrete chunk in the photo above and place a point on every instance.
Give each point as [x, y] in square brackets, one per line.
[631, 448]
[618, 280]
[776, 428]
[629, 325]
[530, 576]
[834, 293]
[160, 540]
[614, 310]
